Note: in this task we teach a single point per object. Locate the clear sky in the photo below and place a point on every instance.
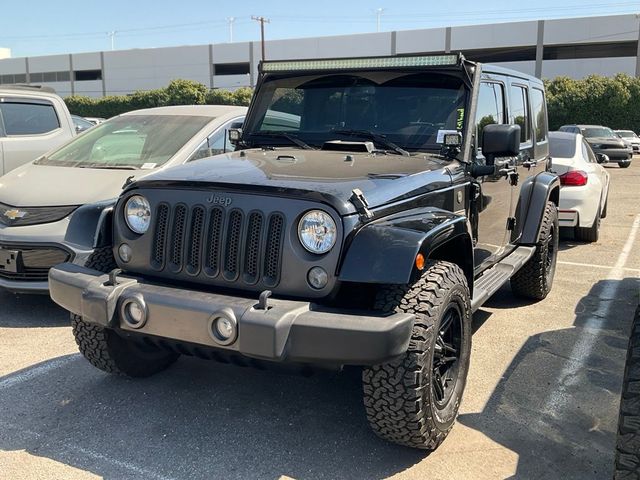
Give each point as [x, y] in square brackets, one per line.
[35, 27]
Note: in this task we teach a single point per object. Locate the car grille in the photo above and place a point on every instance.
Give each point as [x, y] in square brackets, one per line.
[227, 244]
[20, 216]
[34, 263]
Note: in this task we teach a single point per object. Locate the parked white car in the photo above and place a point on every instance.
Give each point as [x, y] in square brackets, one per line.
[37, 199]
[584, 184]
[630, 137]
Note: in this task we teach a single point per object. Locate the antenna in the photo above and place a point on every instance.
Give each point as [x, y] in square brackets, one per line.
[230, 21]
[378, 12]
[112, 34]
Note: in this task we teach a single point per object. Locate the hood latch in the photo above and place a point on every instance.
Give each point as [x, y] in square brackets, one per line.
[361, 204]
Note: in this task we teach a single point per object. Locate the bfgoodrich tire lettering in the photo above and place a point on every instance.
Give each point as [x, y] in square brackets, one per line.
[535, 278]
[107, 350]
[403, 401]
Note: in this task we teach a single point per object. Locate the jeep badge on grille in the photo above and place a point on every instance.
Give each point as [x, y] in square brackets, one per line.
[219, 200]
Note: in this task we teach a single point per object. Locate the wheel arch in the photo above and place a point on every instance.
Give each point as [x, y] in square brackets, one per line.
[385, 250]
[90, 225]
[536, 191]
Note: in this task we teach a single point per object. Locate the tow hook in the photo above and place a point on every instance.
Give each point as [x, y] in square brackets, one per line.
[113, 278]
[263, 300]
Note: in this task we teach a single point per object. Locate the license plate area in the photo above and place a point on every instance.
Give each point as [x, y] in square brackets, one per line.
[10, 261]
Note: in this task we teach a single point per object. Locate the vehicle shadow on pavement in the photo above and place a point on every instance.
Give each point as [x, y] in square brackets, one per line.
[197, 420]
[24, 311]
[565, 429]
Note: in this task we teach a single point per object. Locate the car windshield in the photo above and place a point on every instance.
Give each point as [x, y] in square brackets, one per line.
[394, 110]
[561, 147]
[626, 134]
[129, 141]
[591, 132]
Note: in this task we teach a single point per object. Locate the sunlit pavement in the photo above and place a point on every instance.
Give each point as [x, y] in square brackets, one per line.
[541, 399]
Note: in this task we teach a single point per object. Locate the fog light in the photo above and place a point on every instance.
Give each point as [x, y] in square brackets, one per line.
[223, 327]
[125, 252]
[134, 312]
[318, 277]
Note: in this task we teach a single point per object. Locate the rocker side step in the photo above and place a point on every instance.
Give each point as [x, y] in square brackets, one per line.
[491, 280]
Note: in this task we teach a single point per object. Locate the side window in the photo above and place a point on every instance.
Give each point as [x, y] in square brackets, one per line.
[520, 112]
[216, 143]
[587, 153]
[539, 115]
[28, 118]
[490, 109]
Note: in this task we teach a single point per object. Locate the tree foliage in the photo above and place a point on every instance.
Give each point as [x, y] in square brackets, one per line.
[178, 92]
[613, 102]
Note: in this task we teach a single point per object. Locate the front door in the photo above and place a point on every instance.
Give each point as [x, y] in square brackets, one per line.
[494, 194]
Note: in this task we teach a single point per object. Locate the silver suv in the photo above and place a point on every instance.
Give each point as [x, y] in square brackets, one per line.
[33, 121]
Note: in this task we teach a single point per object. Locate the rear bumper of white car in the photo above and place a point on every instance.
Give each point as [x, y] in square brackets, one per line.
[578, 206]
[27, 253]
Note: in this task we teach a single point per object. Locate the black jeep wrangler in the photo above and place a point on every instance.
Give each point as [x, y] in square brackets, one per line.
[370, 206]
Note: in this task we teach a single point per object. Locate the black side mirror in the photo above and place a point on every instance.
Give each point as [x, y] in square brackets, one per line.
[602, 158]
[500, 141]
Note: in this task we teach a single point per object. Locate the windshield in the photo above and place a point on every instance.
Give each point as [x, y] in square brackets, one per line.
[129, 141]
[626, 134]
[412, 111]
[591, 132]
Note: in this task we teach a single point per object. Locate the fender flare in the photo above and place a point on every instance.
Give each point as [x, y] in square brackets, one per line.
[535, 192]
[384, 251]
[90, 225]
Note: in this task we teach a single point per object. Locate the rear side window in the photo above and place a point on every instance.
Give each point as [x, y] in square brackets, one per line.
[539, 115]
[490, 109]
[520, 112]
[28, 118]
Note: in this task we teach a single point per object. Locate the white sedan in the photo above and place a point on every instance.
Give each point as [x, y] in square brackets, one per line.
[584, 184]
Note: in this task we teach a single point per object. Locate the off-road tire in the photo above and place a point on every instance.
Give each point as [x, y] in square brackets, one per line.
[625, 164]
[399, 395]
[628, 442]
[589, 234]
[535, 278]
[107, 350]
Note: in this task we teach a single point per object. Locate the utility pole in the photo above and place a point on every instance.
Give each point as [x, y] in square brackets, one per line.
[262, 21]
[112, 34]
[378, 12]
[230, 21]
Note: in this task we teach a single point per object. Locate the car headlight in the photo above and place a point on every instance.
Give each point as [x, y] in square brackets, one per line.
[317, 231]
[137, 213]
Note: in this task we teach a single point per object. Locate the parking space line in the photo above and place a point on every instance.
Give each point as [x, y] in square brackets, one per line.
[589, 335]
[23, 376]
[592, 265]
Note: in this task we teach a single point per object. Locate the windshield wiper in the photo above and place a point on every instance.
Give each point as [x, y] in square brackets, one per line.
[293, 139]
[111, 167]
[376, 137]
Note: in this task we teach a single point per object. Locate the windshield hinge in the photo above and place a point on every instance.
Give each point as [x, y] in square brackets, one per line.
[361, 204]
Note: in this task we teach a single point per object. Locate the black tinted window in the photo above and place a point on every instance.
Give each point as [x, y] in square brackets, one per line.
[490, 109]
[28, 118]
[539, 114]
[520, 112]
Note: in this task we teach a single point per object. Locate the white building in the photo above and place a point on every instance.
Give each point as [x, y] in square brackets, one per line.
[574, 47]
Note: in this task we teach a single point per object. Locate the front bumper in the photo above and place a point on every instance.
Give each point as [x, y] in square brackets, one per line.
[288, 331]
[616, 155]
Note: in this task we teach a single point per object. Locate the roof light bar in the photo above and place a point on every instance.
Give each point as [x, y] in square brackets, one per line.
[361, 63]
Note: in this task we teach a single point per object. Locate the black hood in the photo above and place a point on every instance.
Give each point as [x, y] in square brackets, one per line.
[609, 141]
[328, 177]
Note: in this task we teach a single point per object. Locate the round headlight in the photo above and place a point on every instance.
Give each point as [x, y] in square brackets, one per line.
[317, 231]
[137, 213]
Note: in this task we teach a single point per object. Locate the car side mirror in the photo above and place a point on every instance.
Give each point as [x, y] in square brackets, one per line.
[500, 141]
[235, 134]
[602, 158]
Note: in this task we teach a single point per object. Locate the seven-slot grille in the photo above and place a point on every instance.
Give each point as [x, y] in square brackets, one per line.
[228, 244]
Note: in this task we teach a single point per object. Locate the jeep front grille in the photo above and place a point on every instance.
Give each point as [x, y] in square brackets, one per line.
[230, 245]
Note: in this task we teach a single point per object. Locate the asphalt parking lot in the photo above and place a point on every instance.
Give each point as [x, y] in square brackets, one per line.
[541, 399]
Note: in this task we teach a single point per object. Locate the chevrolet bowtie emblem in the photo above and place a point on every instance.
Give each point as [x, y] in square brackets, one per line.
[14, 214]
